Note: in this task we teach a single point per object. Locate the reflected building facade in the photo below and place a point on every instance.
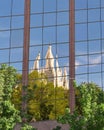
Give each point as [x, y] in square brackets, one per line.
[52, 70]
[50, 23]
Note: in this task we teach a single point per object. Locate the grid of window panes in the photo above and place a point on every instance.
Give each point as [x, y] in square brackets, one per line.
[49, 26]
[11, 32]
[89, 41]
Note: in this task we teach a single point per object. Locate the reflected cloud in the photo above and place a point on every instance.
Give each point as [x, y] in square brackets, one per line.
[77, 63]
[95, 61]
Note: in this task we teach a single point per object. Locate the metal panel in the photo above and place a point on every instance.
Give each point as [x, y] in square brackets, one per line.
[72, 55]
[25, 55]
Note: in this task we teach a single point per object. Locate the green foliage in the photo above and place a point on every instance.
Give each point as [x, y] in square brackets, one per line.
[27, 127]
[75, 121]
[41, 96]
[57, 128]
[89, 112]
[8, 114]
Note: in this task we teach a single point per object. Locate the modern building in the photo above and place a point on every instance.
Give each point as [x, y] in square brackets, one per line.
[75, 29]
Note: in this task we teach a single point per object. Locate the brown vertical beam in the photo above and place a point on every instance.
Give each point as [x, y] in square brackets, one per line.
[25, 55]
[72, 54]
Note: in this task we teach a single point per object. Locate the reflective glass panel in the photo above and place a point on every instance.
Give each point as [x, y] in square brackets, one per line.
[18, 7]
[80, 32]
[5, 23]
[94, 30]
[16, 38]
[36, 36]
[4, 39]
[5, 7]
[4, 56]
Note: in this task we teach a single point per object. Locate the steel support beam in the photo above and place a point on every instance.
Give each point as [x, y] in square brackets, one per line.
[72, 53]
[25, 55]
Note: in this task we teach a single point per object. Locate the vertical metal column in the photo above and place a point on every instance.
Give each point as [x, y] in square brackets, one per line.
[72, 54]
[25, 56]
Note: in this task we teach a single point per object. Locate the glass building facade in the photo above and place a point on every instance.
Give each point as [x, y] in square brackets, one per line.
[50, 26]
[89, 41]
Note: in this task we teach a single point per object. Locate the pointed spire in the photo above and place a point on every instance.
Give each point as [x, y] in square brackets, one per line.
[49, 52]
[49, 58]
[57, 64]
[65, 80]
[65, 72]
[36, 63]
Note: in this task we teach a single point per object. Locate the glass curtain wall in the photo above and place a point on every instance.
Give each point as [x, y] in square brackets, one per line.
[11, 32]
[89, 41]
[49, 49]
[49, 57]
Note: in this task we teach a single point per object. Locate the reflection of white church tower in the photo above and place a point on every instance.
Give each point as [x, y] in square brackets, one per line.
[52, 70]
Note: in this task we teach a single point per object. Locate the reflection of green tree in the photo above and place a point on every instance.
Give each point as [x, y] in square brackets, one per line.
[89, 112]
[88, 95]
[44, 100]
[9, 116]
[48, 102]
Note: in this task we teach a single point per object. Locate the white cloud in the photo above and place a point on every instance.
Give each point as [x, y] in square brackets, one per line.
[96, 60]
[77, 63]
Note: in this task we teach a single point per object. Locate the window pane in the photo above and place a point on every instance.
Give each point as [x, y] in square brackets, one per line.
[63, 4]
[81, 69]
[16, 54]
[5, 23]
[36, 36]
[102, 46]
[102, 3]
[93, 3]
[36, 6]
[18, 7]
[63, 50]
[62, 34]
[49, 35]
[36, 20]
[102, 58]
[96, 78]
[17, 38]
[94, 46]
[80, 4]
[4, 39]
[49, 19]
[34, 51]
[64, 61]
[80, 48]
[94, 30]
[4, 56]
[81, 16]
[81, 60]
[95, 68]
[49, 5]
[63, 18]
[5, 7]
[95, 59]
[103, 67]
[45, 48]
[17, 22]
[80, 32]
[94, 15]
[81, 78]
[102, 14]
[102, 29]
